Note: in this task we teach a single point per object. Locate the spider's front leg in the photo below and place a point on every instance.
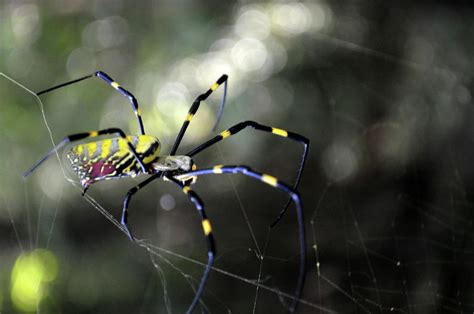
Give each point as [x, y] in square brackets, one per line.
[106, 78]
[195, 106]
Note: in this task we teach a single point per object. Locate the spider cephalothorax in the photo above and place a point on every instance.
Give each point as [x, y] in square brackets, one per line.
[134, 155]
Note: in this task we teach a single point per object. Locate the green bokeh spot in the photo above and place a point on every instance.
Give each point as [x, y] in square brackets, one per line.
[30, 274]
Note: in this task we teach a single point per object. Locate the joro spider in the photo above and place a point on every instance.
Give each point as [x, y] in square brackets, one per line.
[133, 155]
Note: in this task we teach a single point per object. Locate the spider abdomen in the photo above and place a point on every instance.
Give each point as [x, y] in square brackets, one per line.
[111, 158]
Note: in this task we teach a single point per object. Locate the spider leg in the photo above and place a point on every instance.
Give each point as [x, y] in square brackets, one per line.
[279, 132]
[103, 76]
[129, 195]
[207, 229]
[80, 136]
[274, 182]
[195, 106]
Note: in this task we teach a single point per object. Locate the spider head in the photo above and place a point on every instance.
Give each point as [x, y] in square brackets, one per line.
[178, 166]
[187, 180]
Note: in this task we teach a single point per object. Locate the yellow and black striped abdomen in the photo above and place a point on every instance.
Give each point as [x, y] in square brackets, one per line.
[112, 158]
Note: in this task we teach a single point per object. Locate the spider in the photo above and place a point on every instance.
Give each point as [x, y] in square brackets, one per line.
[133, 155]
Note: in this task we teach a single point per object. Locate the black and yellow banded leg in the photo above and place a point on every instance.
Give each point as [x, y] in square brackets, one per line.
[128, 197]
[195, 106]
[207, 230]
[111, 82]
[274, 182]
[81, 136]
[260, 127]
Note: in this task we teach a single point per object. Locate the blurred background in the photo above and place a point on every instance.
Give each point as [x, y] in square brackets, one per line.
[383, 91]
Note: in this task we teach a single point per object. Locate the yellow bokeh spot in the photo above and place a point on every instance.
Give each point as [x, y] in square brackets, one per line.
[29, 275]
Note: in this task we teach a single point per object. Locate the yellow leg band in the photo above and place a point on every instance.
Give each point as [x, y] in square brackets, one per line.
[217, 169]
[270, 180]
[206, 226]
[225, 134]
[213, 87]
[280, 132]
[186, 189]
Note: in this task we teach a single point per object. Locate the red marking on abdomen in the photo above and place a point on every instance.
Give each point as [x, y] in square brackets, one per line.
[101, 169]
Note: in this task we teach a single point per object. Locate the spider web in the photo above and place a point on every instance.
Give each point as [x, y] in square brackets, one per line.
[395, 235]
[160, 257]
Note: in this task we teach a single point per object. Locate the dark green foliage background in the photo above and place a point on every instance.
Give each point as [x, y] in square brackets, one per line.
[383, 91]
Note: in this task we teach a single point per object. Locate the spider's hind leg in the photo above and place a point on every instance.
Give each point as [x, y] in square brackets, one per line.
[81, 136]
[294, 197]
